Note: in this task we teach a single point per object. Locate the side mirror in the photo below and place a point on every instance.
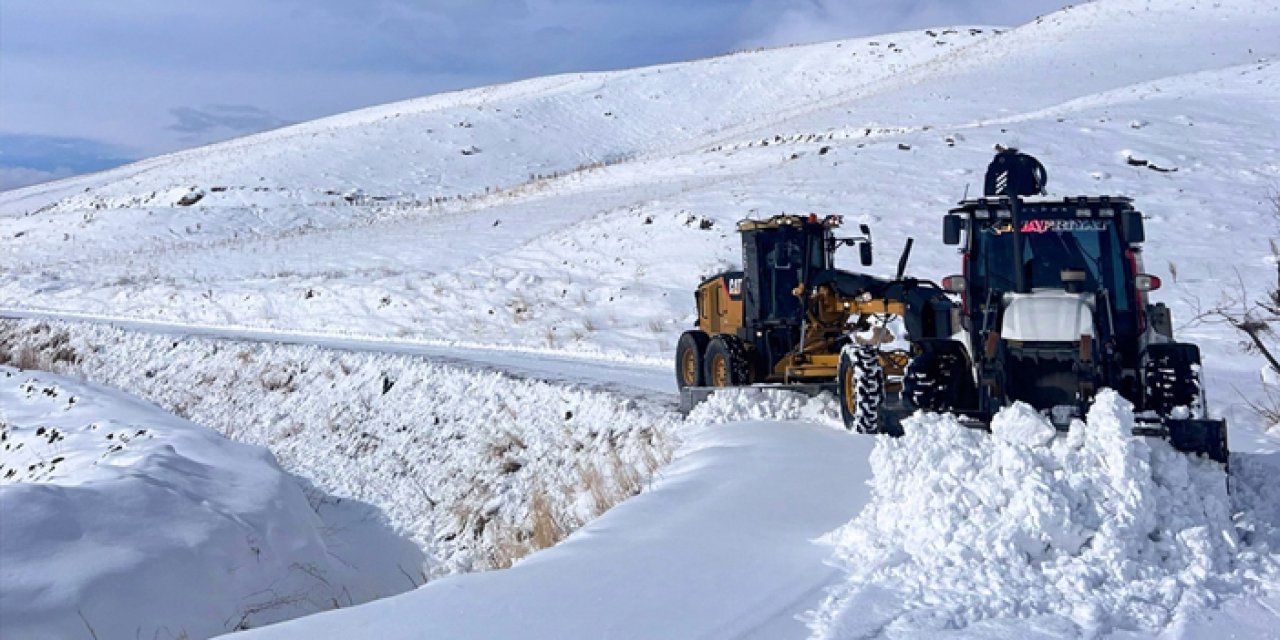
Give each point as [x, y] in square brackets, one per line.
[1133, 229]
[866, 231]
[954, 284]
[864, 252]
[951, 229]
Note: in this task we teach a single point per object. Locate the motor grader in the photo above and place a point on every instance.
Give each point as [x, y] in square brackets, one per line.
[786, 319]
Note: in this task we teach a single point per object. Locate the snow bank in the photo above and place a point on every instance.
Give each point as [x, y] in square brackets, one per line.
[1095, 532]
[118, 520]
[477, 467]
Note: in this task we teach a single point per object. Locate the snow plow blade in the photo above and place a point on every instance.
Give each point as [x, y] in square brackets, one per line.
[1204, 437]
[1190, 436]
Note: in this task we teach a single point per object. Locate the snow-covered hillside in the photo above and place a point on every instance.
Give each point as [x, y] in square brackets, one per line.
[572, 216]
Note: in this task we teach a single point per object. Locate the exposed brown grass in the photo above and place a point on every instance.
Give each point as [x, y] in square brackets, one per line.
[38, 346]
[548, 527]
[593, 482]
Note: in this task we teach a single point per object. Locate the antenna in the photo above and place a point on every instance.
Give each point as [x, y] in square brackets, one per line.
[966, 191]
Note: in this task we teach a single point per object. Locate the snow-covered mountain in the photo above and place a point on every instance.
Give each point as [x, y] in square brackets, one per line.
[573, 215]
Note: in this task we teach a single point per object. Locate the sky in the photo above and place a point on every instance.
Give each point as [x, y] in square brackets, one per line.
[87, 84]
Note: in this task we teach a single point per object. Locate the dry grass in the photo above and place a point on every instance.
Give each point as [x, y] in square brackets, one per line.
[549, 520]
[627, 481]
[27, 358]
[505, 551]
[548, 527]
[592, 481]
[38, 347]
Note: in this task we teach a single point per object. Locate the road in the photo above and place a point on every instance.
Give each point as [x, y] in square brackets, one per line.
[629, 378]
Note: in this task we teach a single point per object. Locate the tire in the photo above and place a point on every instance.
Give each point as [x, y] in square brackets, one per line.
[937, 378]
[690, 352]
[1169, 382]
[726, 363]
[861, 387]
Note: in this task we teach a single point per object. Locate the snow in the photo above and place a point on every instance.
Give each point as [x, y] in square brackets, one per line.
[450, 456]
[548, 270]
[120, 520]
[1013, 535]
[1088, 534]
[719, 546]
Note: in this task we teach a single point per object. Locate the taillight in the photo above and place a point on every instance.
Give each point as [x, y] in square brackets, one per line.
[1146, 282]
[1139, 295]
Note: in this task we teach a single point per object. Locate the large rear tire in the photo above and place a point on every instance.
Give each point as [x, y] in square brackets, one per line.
[860, 380]
[690, 352]
[937, 378]
[1170, 380]
[726, 363]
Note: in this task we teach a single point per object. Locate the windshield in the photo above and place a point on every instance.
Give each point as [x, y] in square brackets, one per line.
[789, 250]
[1049, 246]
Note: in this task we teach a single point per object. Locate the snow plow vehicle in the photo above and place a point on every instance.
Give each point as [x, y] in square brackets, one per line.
[786, 319]
[1054, 307]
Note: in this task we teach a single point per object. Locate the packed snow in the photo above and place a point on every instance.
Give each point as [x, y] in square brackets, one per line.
[120, 521]
[540, 242]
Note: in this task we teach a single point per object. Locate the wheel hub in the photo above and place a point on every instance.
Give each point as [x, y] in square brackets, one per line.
[720, 371]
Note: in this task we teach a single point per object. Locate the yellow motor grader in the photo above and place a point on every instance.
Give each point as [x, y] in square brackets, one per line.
[790, 319]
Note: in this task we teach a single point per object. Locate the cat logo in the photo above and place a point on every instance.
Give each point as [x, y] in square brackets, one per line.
[735, 286]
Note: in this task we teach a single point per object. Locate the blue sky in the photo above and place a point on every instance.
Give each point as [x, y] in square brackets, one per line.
[87, 84]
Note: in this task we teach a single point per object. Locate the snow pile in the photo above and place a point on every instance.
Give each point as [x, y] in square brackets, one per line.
[750, 405]
[1096, 531]
[118, 520]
